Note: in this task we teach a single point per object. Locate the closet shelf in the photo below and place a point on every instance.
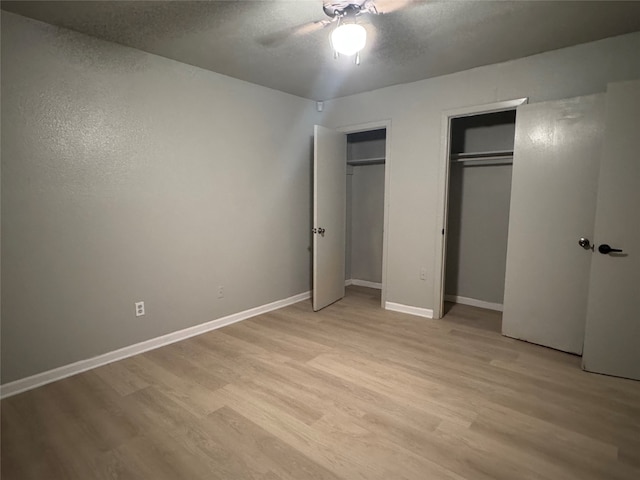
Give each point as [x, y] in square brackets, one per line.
[366, 161]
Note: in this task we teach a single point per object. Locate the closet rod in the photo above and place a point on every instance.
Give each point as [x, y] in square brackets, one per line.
[477, 155]
[501, 160]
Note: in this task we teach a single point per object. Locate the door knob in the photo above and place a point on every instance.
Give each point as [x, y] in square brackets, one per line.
[585, 243]
[605, 249]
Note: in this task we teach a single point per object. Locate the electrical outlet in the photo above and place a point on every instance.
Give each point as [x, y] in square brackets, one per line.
[423, 273]
[220, 291]
[139, 309]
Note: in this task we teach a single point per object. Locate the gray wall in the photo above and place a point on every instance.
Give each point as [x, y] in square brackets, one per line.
[478, 220]
[374, 148]
[477, 232]
[126, 177]
[485, 133]
[367, 223]
[349, 224]
[415, 111]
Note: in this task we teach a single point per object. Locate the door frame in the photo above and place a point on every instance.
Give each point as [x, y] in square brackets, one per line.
[376, 125]
[443, 188]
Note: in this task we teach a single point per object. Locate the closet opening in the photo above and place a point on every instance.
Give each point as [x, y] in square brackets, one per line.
[365, 215]
[479, 191]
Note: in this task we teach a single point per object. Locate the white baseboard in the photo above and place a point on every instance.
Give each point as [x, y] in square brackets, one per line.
[28, 383]
[363, 283]
[474, 302]
[398, 307]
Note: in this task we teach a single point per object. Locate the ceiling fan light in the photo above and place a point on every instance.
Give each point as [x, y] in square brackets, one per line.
[349, 38]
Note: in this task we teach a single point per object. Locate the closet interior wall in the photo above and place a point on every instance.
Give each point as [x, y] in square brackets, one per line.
[478, 209]
[365, 206]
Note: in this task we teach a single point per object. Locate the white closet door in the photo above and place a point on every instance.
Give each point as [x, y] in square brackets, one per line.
[554, 182]
[329, 211]
[612, 340]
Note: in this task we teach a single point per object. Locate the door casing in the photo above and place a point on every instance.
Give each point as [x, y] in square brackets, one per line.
[443, 188]
[376, 125]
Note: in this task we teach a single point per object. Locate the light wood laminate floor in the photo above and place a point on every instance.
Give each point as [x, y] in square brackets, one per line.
[352, 392]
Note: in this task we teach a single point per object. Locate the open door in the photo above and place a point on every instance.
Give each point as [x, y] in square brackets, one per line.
[553, 199]
[329, 211]
[612, 339]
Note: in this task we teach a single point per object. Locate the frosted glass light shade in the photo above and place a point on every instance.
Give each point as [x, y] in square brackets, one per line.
[349, 38]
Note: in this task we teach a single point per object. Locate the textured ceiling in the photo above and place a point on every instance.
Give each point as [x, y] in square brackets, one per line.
[276, 43]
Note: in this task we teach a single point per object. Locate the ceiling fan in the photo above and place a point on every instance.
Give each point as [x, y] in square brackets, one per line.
[348, 37]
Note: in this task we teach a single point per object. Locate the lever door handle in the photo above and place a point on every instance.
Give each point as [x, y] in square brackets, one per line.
[605, 249]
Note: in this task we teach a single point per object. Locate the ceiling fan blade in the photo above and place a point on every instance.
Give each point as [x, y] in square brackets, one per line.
[276, 38]
[388, 6]
[312, 27]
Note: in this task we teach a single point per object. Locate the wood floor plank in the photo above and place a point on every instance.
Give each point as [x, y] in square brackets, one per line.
[310, 442]
[387, 458]
[264, 451]
[409, 394]
[570, 451]
[351, 392]
[188, 393]
[300, 349]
